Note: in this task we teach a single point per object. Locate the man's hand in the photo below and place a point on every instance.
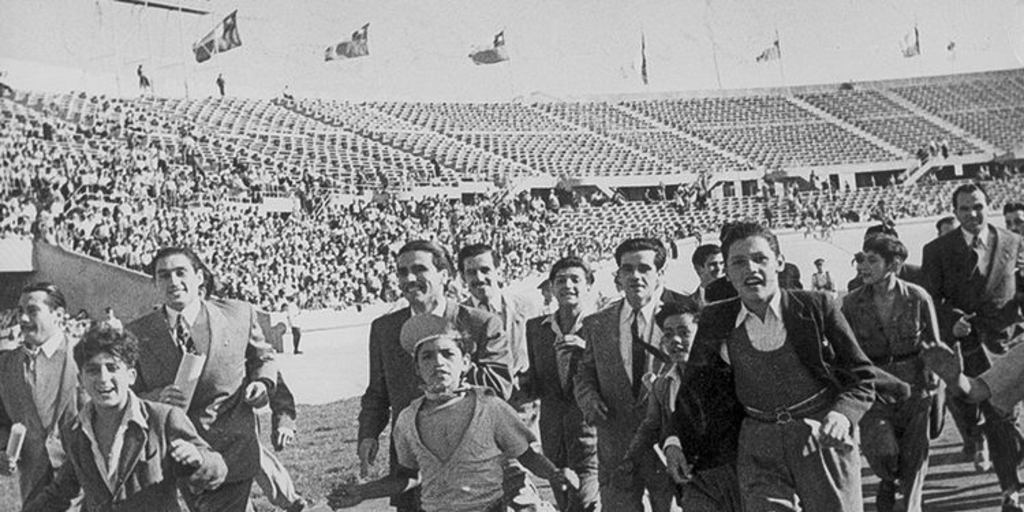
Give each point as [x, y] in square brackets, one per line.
[256, 394]
[367, 455]
[7, 465]
[344, 496]
[947, 362]
[565, 479]
[595, 412]
[678, 467]
[186, 453]
[835, 430]
[282, 438]
[172, 395]
[962, 327]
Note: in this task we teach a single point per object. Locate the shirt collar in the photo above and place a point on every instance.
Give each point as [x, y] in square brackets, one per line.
[132, 414]
[497, 306]
[50, 346]
[774, 309]
[439, 309]
[190, 313]
[982, 236]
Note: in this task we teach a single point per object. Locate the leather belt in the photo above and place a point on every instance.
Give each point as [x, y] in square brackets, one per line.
[889, 359]
[782, 415]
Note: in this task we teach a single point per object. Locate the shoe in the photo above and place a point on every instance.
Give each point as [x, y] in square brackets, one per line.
[297, 352]
[982, 462]
[1012, 501]
[298, 506]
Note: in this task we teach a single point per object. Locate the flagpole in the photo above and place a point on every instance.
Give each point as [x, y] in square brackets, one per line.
[714, 45]
[778, 46]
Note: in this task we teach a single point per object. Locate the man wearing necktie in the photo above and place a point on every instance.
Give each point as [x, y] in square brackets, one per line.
[971, 273]
[609, 385]
[238, 376]
[38, 388]
[554, 351]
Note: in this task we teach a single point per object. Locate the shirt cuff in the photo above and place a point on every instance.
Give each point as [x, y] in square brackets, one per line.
[673, 441]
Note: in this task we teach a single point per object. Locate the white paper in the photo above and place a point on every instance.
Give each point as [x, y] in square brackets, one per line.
[189, 370]
[15, 441]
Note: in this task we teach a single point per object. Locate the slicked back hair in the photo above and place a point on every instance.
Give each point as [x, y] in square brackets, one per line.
[571, 262]
[642, 244]
[54, 297]
[970, 188]
[442, 261]
[743, 230]
[474, 250]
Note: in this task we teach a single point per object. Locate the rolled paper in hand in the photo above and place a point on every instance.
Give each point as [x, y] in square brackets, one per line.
[15, 441]
[189, 370]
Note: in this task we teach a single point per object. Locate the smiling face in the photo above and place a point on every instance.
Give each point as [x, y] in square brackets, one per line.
[179, 281]
[872, 268]
[753, 269]
[639, 277]
[106, 380]
[569, 287]
[440, 364]
[970, 211]
[37, 319]
[421, 282]
[1015, 221]
[713, 268]
[481, 276]
[677, 336]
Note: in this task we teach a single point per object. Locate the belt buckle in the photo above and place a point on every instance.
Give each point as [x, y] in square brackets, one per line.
[783, 416]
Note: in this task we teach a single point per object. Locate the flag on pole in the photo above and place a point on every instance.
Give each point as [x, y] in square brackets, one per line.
[221, 39]
[643, 58]
[911, 45]
[493, 55]
[773, 52]
[356, 46]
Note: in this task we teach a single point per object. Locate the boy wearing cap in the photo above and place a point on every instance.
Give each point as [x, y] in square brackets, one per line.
[452, 441]
[124, 452]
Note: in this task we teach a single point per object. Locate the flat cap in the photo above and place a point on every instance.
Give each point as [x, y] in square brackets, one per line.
[421, 328]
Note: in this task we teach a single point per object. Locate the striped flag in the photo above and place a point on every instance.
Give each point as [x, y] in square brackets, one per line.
[911, 45]
[356, 46]
[773, 52]
[220, 39]
[493, 55]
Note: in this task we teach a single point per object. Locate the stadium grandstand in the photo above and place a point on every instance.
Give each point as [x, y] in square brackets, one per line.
[298, 181]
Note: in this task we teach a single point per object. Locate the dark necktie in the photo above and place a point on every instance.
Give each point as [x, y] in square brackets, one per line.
[976, 255]
[639, 354]
[183, 336]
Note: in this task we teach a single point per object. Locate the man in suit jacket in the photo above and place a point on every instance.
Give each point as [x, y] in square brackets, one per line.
[239, 373]
[971, 274]
[273, 477]
[800, 376]
[38, 388]
[423, 269]
[555, 349]
[620, 346]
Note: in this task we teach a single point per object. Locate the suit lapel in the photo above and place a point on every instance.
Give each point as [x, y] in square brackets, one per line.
[23, 393]
[68, 383]
[612, 352]
[219, 335]
[999, 255]
[800, 327]
[135, 439]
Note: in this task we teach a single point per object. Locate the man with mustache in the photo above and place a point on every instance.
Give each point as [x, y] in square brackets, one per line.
[423, 269]
[39, 389]
[621, 348]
